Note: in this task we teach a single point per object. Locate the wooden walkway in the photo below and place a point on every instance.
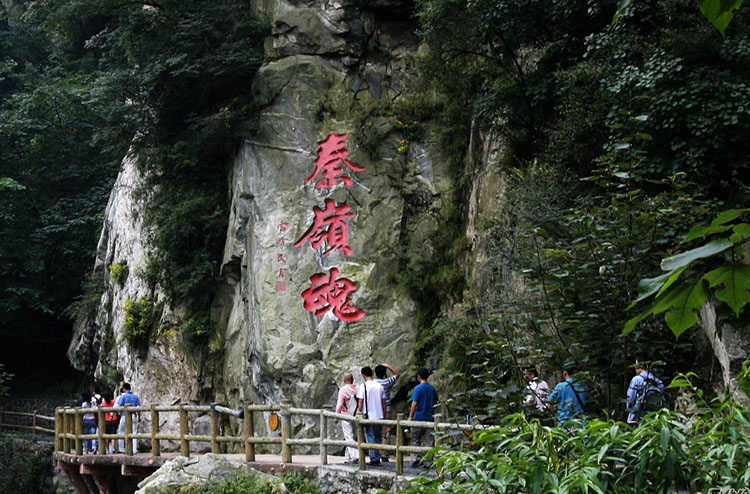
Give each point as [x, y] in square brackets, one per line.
[119, 473]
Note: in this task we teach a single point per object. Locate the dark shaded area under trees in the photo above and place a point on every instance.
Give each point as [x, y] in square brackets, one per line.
[81, 84]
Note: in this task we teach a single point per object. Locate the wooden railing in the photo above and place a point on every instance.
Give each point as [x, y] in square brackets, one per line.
[69, 431]
[24, 421]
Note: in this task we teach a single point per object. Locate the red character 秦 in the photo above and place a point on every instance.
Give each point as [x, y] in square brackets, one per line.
[331, 154]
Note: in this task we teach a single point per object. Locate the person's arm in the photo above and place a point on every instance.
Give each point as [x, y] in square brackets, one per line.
[554, 397]
[635, 384]
[413, 409]
[385, 414]
[340, 405]
[394, 371]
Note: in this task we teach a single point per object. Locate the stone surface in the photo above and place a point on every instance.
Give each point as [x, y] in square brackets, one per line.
[330, 64]
[730, 345]
[184, 471]
[340, 480]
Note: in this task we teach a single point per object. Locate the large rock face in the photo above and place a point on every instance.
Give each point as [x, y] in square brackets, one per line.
[330, 64]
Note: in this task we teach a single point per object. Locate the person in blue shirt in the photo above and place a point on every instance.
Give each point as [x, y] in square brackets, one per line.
[128, 398]
[423, 400]
[570, 398]
[642, 380]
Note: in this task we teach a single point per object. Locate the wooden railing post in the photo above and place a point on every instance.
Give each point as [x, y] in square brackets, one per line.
[78, 419]
[249, 431]
[33, 423]
[66, 429]
[184, 444]
[215, 447]
[399, 444]
[436, 433]
[286, 432]
[155, 444]
[58, 430]
[128, 431]
[100, 429]
[323, 437]
[360, 442]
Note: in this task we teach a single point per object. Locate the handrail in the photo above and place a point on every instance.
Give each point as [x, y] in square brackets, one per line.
[69, 430]
[34, 427]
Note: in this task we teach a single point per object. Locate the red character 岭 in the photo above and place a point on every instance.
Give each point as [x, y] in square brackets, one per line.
[329, 292]
[331, 154]
[329, 226]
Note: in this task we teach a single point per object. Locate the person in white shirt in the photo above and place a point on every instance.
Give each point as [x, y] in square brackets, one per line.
[537, 390]
[372, 405]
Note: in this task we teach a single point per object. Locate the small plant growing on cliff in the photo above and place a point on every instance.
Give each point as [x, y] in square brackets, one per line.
[140, 319]
[198, 329]
[119, 272]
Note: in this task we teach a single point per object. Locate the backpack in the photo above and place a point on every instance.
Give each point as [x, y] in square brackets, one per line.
[353, 403]
[649, 397]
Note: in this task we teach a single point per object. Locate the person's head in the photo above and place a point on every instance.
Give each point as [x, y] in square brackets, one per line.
[380, 371]
[641, 364]
[97, 390]
[348, 378]
[568, 369]
[125, 387]
[107, 395]
[86, 396]
[529, 373]
[423, 373]
[367, 371]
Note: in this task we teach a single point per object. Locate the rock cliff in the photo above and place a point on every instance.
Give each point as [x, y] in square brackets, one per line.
[329, 65]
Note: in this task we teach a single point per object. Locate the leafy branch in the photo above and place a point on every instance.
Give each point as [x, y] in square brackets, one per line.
[718, 12]
[679, 294]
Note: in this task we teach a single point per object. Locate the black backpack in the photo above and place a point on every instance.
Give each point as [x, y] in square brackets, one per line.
[649, 397]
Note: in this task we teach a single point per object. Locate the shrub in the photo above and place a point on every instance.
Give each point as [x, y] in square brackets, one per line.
[140, 319]
[198, 329]
[119, 272]
[295, 483]
[668, 450]
[26, 466]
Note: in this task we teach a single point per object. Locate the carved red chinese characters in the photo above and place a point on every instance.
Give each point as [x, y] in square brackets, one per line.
[331, 293]
[331, 154]
[329, 227]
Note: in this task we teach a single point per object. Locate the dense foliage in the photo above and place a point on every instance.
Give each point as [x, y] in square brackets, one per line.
[667, 452]
[26, 464]
[54, 181]
[620, 138]
[175, 76]
[83, 83]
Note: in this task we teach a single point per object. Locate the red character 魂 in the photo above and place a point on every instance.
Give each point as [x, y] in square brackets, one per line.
[333, 152]
[329, 226]
[282, 226]
[329, 292]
